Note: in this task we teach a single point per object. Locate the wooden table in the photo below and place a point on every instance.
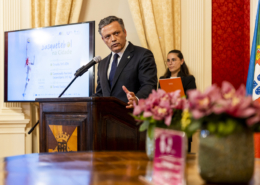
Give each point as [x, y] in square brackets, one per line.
[78, 168]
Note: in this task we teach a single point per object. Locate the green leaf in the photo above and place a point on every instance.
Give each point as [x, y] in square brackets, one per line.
[161, 124]
[153, 121]
[221, 128]
[194, 126]
[137, 118]
[230, 126]
[212, 127]
[144, 126]
[151, 131]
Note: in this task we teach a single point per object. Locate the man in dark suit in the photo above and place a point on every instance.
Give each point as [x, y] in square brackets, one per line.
[129, 72]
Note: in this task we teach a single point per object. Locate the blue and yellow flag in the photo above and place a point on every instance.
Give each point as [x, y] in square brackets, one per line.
[253, 76]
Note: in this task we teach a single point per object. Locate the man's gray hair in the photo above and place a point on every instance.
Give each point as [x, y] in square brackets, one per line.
[108, 20]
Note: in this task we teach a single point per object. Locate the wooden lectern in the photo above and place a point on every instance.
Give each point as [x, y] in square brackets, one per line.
[83, 124]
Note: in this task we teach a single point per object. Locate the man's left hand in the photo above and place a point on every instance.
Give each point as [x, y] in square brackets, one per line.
[131, 98]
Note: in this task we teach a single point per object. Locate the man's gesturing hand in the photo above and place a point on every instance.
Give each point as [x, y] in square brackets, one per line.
[131, 98]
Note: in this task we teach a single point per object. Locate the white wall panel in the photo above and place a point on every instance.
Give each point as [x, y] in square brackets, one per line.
[196, 39]
[13, 122]
[196, 44]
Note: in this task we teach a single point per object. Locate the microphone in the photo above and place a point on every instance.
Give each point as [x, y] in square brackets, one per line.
[85, 68]
[78, 73]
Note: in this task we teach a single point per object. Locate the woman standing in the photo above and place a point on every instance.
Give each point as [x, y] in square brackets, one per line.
[176, 67]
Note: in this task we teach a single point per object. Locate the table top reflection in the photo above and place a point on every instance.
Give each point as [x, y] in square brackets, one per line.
[89, 168]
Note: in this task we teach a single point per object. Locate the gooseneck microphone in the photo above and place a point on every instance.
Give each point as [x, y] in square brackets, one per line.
[82, 70]
[85, 68]
[78, 73]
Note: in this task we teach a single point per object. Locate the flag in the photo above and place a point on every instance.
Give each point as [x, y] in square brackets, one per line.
[252, 82]
[253, 76]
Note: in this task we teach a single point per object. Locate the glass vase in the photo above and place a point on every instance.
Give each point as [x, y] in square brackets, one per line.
[228, 159]
[149, 145]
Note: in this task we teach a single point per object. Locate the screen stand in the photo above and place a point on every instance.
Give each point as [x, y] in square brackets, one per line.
[30, 131]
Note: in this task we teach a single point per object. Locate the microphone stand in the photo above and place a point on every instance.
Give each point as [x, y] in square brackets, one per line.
[78, 73]
[30, 131]
[68, 86]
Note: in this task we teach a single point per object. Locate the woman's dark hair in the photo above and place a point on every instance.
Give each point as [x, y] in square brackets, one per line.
[184, 68]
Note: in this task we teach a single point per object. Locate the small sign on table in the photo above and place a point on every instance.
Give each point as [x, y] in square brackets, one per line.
[169, 158]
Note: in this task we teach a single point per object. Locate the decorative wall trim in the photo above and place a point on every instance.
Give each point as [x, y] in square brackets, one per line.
[11, 122]
[14, 113]
[10, 20]
[196, 39]
[11, 105]
[12, 14]
[13, 125]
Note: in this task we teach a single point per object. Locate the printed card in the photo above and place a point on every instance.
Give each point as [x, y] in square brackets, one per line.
[169, 157]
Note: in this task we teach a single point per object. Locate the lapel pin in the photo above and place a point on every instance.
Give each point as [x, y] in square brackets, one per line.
[128, 57]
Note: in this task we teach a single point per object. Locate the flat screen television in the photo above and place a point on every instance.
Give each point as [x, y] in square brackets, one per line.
[41, 62]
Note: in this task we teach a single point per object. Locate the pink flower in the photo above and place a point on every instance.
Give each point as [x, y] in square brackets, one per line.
[168, 120]
[220, 106]
[138, 109]
[201, 103]
[240, 106]
[159, 113]
[256, 118]
[227, 90]
[160, 105]
[253, 120]
[176, 101]
[226, 100]
[241, 91]
[175, 95]
[147, 114]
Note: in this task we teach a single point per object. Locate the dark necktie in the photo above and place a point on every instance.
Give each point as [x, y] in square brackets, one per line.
[113, 69]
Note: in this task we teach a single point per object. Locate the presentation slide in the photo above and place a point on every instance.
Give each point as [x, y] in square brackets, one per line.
[42, 62]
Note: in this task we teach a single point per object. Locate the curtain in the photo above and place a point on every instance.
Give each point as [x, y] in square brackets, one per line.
[54, 12]
[158, 24]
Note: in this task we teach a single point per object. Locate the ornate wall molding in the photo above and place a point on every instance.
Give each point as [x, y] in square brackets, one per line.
[196, 39]
[14, 133]
[13, 125]
[9, 127]
[10, 20]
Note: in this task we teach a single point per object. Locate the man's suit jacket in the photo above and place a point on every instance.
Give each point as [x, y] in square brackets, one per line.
[136, 71]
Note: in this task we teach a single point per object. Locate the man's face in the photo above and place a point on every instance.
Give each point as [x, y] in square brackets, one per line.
[114, 36]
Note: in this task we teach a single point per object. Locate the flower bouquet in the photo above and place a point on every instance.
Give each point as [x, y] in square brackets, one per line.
[227, 119]
[221, 111]
[162, 110]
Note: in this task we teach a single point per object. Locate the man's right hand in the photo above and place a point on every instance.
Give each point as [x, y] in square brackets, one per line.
[131, 98]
